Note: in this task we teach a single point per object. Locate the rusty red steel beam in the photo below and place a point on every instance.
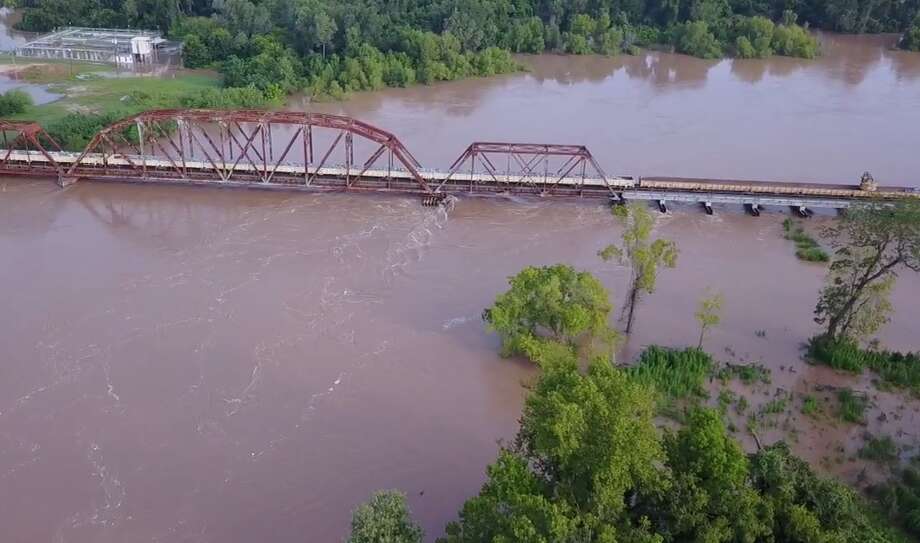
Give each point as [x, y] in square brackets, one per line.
[526, 157]
[226, 139]
[195, 126]
[28, 133]
[198, 119]
[529, 148]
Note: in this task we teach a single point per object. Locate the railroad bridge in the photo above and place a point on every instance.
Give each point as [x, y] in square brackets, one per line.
[321, 152]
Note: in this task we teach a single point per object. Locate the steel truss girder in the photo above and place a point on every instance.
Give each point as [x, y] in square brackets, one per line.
[225, 140]
[27, 136]
[528, 164]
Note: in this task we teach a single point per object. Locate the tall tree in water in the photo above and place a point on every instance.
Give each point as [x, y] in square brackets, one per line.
[384, 518]
[643, 255]
[873, 242]
[555, 302]
[709, 314]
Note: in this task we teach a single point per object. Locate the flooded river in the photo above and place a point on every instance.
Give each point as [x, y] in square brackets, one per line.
[234, 366]
[855, 108]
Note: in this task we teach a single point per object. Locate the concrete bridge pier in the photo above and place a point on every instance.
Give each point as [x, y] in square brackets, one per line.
[753, 209]
[662, 206]
[803, 211]
[707, 207]
[65, 181]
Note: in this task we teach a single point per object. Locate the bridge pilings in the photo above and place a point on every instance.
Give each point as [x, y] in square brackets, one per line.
[65, 181]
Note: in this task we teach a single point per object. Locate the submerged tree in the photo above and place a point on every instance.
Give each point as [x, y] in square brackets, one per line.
[643, 255]
[385, 518]
[872, 243]
[551, 301]
[709, 314]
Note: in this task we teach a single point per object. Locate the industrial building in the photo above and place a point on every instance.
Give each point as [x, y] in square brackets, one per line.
[123, 47]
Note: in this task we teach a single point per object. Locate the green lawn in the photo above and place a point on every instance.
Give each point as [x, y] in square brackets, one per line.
[86, 89]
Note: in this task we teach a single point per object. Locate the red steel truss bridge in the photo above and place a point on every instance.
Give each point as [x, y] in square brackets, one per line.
[321, 152]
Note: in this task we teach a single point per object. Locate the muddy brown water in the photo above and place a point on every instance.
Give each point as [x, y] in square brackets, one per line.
[216, 365]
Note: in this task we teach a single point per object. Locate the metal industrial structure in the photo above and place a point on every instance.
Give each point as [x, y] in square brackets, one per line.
[321, 152]
[100, 46]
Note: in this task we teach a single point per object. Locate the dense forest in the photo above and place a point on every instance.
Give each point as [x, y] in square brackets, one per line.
[333, 47]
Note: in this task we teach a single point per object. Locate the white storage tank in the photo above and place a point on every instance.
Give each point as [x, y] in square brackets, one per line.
[141, 48]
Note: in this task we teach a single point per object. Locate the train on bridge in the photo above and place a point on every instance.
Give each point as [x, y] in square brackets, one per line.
[278, 150]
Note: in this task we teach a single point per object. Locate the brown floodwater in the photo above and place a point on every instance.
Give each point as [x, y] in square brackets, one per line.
[186, 364]
[855, 108]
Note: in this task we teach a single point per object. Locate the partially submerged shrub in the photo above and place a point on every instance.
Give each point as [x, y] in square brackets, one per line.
[852, 406]
[806, 247]
[894, 368]
[675, 373]
[880, 449]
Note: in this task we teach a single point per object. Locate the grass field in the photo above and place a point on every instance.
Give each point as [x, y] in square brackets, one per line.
[94, 89]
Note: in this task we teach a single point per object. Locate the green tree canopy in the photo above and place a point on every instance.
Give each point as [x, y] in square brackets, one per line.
[695, 38]
[513, 505]
[794, 41]
[14, 102]
[560, 434]
[757, 32]
[555, 301]
[711, 498]
[807, 507]
[385, 518]
[873, 242]
[587, 446]
[911, 38]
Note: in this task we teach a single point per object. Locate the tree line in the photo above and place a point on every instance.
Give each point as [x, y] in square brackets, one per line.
[514, 24]
[331, 47]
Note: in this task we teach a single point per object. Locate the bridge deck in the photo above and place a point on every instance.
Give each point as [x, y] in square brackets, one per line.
[293, 175]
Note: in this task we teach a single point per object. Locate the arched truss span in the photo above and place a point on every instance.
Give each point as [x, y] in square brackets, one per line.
[29, 137]
[248, 146]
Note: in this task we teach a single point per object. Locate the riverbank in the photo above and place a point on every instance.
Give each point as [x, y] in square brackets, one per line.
[90, 88]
